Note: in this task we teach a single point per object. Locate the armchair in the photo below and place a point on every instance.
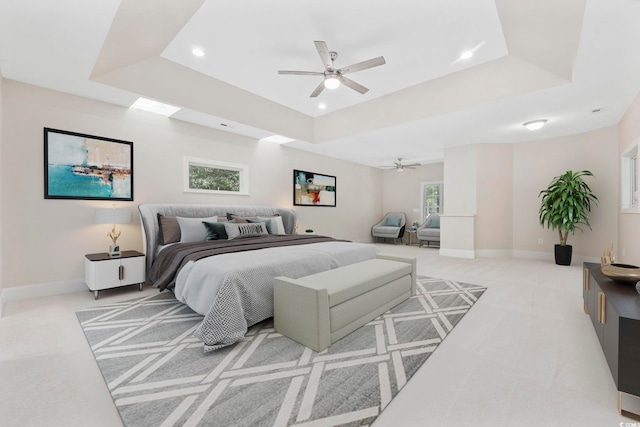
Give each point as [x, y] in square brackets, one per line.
[391, 227]
[429, 231]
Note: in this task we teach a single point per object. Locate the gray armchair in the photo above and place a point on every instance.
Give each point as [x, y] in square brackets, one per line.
[391, 227]
[429, 231]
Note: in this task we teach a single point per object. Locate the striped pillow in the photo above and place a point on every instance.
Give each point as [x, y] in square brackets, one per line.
[240, 231]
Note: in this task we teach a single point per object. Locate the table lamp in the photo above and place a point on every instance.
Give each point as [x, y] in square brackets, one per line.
[113, 216]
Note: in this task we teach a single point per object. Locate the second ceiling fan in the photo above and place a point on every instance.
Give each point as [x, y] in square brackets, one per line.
[334, 76]
[399, 166]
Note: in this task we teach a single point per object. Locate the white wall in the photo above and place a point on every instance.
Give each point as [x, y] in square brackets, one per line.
[460, 171]
[494, 219]
[536, 163]
[457, 224]
[491, 202]
[44, 241]
[629, 224]
[2, 179]
[401, 190]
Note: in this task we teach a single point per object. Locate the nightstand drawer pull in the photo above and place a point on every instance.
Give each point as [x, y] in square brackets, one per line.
[121, 272]
[585, 279]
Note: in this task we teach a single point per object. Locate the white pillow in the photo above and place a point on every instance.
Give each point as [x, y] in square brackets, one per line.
[192, 229]
[242, 230]
[277, 227]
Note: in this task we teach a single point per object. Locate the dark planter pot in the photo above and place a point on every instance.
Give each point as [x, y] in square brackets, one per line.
[563, 254]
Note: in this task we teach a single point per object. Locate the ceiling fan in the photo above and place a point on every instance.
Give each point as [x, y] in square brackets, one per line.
[399, 166]
[332, 76]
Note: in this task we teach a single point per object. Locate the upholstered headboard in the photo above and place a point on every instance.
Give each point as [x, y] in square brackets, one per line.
[150, 228]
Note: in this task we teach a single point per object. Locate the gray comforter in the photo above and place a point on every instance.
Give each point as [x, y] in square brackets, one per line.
[234, 288]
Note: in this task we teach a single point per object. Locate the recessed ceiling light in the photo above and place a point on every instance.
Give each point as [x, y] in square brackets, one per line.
[466, 54]
[322, 106]
[597, 110]
[535, 124]
[198, 52]
[278, 139]
[155, 106]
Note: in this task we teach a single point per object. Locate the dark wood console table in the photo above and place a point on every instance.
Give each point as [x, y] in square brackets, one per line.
[614, 309]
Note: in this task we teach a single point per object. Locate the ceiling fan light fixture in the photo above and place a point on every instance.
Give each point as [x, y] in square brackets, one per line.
[535, 124]
[331, 82]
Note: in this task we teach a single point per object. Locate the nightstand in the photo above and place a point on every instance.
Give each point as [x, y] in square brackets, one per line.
[103, 272]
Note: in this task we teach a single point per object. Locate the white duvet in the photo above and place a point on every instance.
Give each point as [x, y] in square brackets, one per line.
[234, 291]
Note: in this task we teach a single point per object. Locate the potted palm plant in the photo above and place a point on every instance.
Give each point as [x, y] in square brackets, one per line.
[566, 204]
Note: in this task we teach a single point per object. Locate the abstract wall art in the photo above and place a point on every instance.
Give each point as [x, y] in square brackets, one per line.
[79, 166]
[313, 189]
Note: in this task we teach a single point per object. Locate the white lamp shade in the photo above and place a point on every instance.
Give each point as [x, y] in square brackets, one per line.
[113, 216]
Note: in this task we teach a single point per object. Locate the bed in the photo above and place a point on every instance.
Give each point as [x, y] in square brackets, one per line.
[230, 281]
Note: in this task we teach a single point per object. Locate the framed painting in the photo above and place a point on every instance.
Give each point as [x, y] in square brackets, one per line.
[87, 167]
[313, 189]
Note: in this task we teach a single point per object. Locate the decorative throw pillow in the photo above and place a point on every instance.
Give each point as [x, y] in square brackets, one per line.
[216, 230]
[265, 221]
[277, 227]
[192, 230]
[239, 231]
[169, 229]
[435, 223]
[393, 221]
[240, 219]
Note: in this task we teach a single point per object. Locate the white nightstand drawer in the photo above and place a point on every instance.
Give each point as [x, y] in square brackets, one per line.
[103, 272]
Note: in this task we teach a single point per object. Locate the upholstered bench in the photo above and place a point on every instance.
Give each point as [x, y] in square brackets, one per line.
[320, 309]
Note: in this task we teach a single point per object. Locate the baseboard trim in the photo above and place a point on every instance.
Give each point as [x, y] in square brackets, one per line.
[38, 290]
[457, 253]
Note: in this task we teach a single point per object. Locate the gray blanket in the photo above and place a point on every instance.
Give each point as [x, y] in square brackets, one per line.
[171, 259]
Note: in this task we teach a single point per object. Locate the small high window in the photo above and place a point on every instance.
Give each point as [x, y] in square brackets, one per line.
[209, 176]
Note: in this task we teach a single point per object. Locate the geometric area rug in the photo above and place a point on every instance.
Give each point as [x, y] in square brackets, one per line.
[159, 375]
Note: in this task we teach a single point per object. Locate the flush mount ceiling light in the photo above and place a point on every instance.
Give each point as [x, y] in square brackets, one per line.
[197, 51]
[466, 54]
[535, 124]
[322, 106]
[155, 107]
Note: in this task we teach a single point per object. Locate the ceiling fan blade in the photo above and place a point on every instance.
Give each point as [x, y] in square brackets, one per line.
[301, 73]
[317, 90]
[363, 65]
[412, 165]
[323, 51]
[353, 85]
